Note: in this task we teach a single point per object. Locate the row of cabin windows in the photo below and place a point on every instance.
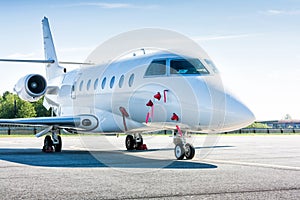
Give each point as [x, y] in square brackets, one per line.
[182, 66]
[104, 80]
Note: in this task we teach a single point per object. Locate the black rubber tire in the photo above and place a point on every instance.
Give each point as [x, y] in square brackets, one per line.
[58, 146]
[47, 143]
[179, 151]
[129, 142]
[190, 151]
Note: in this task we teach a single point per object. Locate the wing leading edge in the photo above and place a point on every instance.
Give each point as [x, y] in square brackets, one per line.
[80, 122]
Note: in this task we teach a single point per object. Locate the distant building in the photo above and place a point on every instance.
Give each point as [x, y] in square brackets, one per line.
[282, 124]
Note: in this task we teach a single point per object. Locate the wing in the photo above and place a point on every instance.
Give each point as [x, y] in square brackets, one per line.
[80, 122]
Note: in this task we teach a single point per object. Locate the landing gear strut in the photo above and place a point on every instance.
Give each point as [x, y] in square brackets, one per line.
[183, 149]
[54, 143]
[134, 142]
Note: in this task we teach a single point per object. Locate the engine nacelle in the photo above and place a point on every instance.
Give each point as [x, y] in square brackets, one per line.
[31, 87]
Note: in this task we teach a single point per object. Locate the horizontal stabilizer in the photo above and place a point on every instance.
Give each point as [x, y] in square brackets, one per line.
[27, 61]
[44, 61]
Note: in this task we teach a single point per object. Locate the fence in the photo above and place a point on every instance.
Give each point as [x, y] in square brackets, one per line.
[20, 130]
[267, 130]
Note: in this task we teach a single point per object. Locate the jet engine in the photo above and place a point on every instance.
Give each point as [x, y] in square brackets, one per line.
[31, 87]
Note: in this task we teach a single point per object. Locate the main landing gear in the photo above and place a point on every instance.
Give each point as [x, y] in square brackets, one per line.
[135, 142]
[182, 148]
[53, 143]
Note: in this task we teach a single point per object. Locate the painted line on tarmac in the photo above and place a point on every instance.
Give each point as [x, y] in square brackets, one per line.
[284, 167]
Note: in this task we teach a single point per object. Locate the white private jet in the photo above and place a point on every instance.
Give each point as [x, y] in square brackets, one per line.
[154, 91]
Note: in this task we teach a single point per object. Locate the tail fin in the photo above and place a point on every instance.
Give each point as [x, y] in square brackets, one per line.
[52, 69]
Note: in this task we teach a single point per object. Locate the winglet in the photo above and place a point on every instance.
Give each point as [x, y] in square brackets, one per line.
[52, 69]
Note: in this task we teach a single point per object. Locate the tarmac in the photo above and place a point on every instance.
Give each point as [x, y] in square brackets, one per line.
[99, 167]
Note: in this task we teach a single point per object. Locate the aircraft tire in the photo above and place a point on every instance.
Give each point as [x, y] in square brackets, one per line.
[58, 146]
[179, 151]
[129, 142]
[48, 144]
[189, 151]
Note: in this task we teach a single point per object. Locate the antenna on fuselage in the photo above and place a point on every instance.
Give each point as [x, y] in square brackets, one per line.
[142, 49]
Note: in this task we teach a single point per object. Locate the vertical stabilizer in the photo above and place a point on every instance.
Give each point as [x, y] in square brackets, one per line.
[52, 69]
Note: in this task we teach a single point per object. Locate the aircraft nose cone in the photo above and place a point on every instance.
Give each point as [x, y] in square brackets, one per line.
[238, 115]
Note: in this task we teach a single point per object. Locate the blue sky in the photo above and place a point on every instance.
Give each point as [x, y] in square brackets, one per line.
[255, 44]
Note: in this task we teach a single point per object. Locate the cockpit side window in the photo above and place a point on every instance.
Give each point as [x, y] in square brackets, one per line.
[156, 68]
[187, 66]
[212, 65]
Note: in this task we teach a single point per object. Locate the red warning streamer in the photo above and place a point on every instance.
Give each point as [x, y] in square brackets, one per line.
[152, 111]
[179, 130]
[157, 96]
[175, 117]
[165, 95]
[147, 117]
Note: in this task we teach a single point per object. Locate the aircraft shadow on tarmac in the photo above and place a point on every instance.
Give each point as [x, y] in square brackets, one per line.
[171, 149]
[101, 159]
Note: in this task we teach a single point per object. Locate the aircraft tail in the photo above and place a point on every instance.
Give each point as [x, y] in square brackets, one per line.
[52, 69]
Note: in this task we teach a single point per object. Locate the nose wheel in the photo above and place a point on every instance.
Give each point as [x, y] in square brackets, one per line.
[179, 151]
[187, 151]
[183, 149]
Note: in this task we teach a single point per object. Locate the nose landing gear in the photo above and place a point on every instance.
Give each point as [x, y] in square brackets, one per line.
[183, 149]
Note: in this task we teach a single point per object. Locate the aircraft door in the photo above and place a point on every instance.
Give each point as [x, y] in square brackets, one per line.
[73, 90]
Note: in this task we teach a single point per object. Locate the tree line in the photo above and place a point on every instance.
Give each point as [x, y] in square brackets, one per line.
[11, 106]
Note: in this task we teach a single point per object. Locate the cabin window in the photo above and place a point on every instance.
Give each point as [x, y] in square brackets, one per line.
[88, 85]
[96, 84]
[156, 68]
[80, 86]
[187, 66]
[131, 79]
[121, 81]
[112, 82]
[103, 83]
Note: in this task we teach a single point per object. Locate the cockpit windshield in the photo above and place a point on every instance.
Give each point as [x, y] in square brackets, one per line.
[172, 66]
[156, 68]
[187, 66]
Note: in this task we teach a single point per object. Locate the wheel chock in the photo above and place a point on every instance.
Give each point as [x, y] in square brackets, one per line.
[143, 147]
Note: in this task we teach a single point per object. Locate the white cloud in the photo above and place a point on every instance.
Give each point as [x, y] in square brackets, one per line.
[281, 12]
[105, 5]
[75, 49]
[21, 55]
[221, 37]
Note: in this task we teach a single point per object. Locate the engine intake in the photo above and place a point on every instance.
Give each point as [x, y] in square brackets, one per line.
[31, 87]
